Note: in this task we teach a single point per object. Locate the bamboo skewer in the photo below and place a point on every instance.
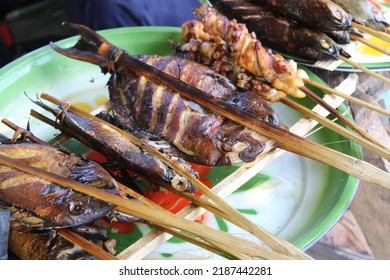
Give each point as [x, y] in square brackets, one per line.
[148, 213]
[339, 129]
[365, 70]
[295, 144]
[171, 231]
[216, 210]
[347, 97]
[227, 211]
[381, 35]
[232, 182]
[97, 251]
[371, 44]
[342, 118]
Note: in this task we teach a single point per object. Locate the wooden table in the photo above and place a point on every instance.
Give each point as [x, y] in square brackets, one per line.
[364, 230]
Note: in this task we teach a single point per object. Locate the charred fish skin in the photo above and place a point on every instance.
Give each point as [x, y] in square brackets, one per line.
[365, 13]
[44, 245]
[322, 15]
[205, 137]
[279, 33]
[117, 149]
[59, 207]
[205, 144]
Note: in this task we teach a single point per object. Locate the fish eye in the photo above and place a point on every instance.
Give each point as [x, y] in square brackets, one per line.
[76, 208]
[339, 15]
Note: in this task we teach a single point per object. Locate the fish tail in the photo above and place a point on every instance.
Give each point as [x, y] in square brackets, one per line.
[91, 47]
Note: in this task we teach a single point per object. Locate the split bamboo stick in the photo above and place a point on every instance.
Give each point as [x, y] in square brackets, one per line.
[347, 97]
[343, 119]
[85, 244]
[227, 211]
[289, 141]
[371, 44]
[149, 214]
[153, 239]
[365, 70]
[380, 35]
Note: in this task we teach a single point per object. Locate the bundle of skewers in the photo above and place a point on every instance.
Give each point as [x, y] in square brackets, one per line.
[207, 104]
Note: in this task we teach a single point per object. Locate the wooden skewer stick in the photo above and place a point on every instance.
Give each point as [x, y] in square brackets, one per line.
[342, 118]
[97, 251]
[365, 70]
[289, 141]
[174, 232]
[347, 97]
[149, 214]
[65, 233]
[243, 174]
[232, 214]
[381, 35]
[337, 128]
[371, 44]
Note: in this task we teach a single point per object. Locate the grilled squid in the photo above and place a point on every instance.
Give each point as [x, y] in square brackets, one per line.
[244, 47]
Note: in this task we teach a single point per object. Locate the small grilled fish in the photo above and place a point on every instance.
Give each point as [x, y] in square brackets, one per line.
[57, 206]
[365, 13]
[118, 149]
[279, 33]
[322, 15]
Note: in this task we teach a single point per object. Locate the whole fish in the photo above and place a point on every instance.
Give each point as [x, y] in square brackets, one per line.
[56, 206]
[365, 13]
[279, 33]
[118, 149]
[27, 244]
[321, 15]
[202, 136]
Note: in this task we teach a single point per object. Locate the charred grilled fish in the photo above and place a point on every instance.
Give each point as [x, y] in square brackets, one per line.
[57, 206]
[119, 150]
[279, 33]
[202, 136]
[322, 15]
[28, 244]
[365, 13]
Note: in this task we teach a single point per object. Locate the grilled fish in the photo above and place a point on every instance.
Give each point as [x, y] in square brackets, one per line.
[202, 136]
[57, 206]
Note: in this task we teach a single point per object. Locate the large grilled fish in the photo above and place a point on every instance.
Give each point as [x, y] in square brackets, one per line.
[202, 136]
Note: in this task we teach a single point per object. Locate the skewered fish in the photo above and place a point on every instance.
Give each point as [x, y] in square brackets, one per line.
[323, 15]
[117, 149]
[279, 33]
[28, 243]
[59, 207]
[365, 13]
[204, 137]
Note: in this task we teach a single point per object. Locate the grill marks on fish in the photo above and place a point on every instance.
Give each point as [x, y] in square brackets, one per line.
[204, 137]
[198, 133]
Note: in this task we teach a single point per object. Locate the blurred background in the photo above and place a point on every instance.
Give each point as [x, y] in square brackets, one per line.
[29, 24]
